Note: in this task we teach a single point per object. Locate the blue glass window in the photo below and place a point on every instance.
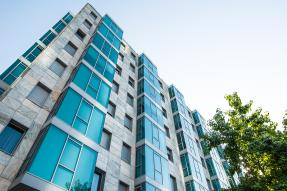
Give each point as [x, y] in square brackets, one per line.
[145, 105]
[195, 117]
[96, 60]
[216, 185]
[93, 85]
[33, 52]
[113, 39]
[144, 72]
[151, 164]
[108, 21]
[59, 26]
[77, 160]
[67, 18]
[1, 91]
[181, 140]
[13, 72]
[146, 129]
[105, 47]
[82, 115]
[143, 60]
[48, 37]
[210, 167]
[146, 87]
[185, 164]
[10, 137]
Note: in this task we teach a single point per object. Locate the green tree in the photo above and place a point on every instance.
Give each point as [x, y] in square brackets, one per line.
[253, 144]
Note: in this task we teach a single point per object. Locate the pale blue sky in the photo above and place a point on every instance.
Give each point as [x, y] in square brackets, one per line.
[207, 48]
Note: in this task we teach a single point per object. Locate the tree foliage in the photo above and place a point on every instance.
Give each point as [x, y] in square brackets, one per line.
[253, 144]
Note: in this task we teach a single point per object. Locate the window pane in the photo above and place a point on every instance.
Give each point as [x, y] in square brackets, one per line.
[91, 56]
[38, 95]
[109, 72]
[126, 153]
[96, 125]
[57, 67]
[82, 77]
[101, 64]
[69, 106]
[63, 177]
[48, 154]
[85, 111]
[85, 168]
[10, 138]
[70, 155]
[80, 125]
[106, 140]
[104, 94]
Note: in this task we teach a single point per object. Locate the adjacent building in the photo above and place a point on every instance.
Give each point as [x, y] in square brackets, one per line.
[81, 110]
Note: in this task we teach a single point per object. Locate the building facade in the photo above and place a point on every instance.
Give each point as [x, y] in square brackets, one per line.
[81, 110]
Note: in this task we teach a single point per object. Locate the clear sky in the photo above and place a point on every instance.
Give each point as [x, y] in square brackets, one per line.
[206, 48]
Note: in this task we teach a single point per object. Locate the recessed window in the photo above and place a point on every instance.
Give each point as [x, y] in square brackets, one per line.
[80, 34]
[1, 91]
[39, 94]
[88, 24]
[71, 48]
[133, 56]
[173, 183]
[10, 137]
[126, 153]
[198, 144]
[132, 68]
[123, 45]
[202, 162]
[169, 154]
[98, 180]
[119, 70]
[123, 187]
[162, 97]
[160, 84]
[93, 15]
[111, 109]
[128, 122]
[167, 131]
[115, 87]
[121, 57]
[130, 100]
[131, 82]
[58, 67]
[164, 112]
[106, 139]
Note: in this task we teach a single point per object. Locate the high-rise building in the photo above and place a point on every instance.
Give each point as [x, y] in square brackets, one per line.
[81, 110]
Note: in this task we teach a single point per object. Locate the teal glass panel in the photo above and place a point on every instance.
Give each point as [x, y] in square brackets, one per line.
[91, 56]
[93, 86]
[106, 48]
[70, 155]
[157, 167]
[80, 125]
[101, 64]
[63, 177]
[113, 55]
[10, 138]
[117, 43]
[67, 18]
[85, 169]
[69, 106]
[48, 37]
[85, 111]
[98, 41]
[162, 136]
[48, 154]
[82, 76]
[149, 168]
[96, 125]
[19, 70]
[165, 172]
[103, 29]
[104, 94]
[59, 26]
[109, 72]
[216, 185]
[110, 37]
[148, 130]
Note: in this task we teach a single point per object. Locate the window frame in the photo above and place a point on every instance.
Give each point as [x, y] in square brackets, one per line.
[80, 34]
[73, 46]
[114, 110]
[109, 134]
[129, 149]
[45, 88]
[60, 62]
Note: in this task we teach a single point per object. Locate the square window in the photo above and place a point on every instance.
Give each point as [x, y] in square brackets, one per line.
[106, 139]
[123, 45]
[71, 48]
[130, 100]
[169, 154]
[80, 34]
[132, 68]
[133, 56]
[128, 122]
[131, 82]
[39, 94]
[126, 153]
[58, 67]
[88, 24]
[10, 137]
[111, 109]
[115, 87]
[93, 15]
[119, 70]
[121, 57]
[164, 112]
[167, 131]
[202, 162]
[162, 97]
